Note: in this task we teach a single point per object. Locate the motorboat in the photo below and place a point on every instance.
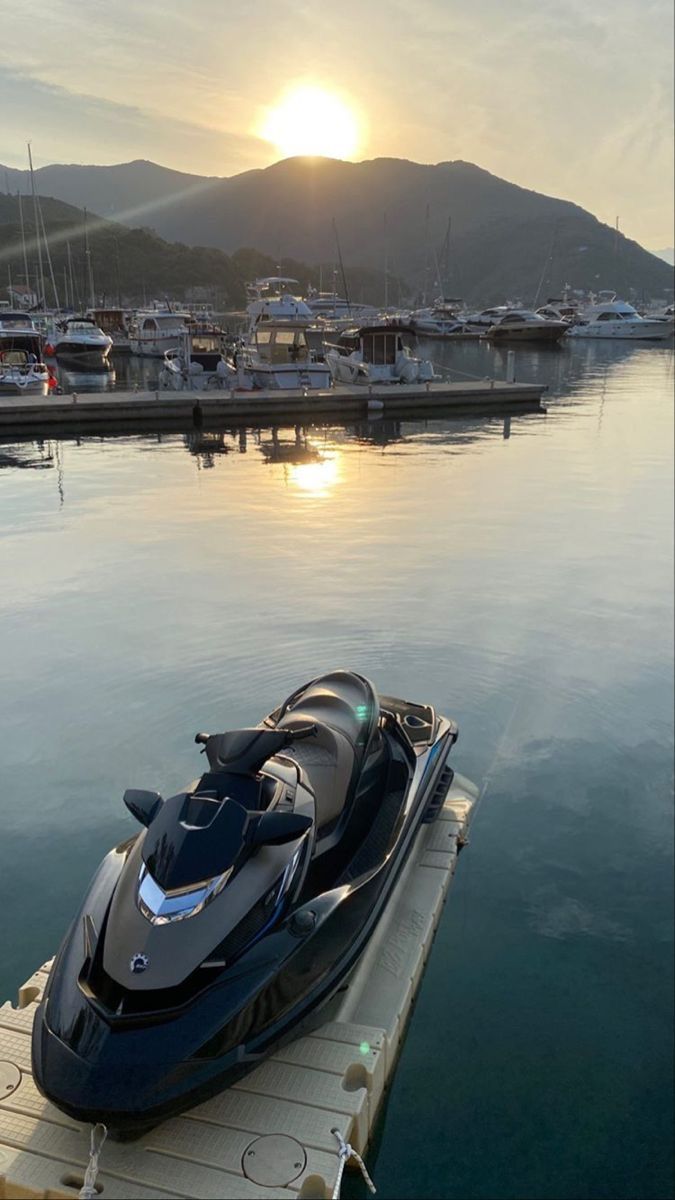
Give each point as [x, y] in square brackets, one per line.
[617, 319]
[200, 363]
[556, 309]
[115, 322]
[486, 317]
[276, 351]
[22, 371]
[443, 319]
[22, 375]
[377, 354]
[329, 307]
[79, 339]
[156, 330]
[521, 325]
[229, 923]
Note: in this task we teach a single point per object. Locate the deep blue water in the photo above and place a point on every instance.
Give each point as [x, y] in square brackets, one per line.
[519, 576]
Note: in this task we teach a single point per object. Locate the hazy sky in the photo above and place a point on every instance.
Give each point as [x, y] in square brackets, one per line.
[574, 99]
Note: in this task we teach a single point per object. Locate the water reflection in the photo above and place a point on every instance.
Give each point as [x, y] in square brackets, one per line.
[518, 574]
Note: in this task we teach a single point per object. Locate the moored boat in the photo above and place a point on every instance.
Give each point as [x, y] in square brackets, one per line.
[377, 354]
[521, 325]
[276, 352]
[22, 371]
[154, 331]
[79, 339]
[617, 319]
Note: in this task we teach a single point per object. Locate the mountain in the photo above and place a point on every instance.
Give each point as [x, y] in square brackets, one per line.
[133, 266]
[505, 241]
[668, 255]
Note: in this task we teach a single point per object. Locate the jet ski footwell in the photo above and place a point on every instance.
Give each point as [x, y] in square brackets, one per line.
[269, 1134]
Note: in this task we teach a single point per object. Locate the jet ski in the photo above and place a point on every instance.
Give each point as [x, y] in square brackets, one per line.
[229, 923]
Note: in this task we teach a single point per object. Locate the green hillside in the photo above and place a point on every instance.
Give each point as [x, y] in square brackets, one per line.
[136, 266]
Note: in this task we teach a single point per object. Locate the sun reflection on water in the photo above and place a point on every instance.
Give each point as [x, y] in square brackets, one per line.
[317, 479]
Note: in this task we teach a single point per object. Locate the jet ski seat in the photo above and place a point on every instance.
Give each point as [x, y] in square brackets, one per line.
[344, 708]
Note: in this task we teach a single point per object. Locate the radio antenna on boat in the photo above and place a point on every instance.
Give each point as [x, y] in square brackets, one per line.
[342, 267]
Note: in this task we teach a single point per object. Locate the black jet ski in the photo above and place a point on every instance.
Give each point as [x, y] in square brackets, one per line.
[227, 925]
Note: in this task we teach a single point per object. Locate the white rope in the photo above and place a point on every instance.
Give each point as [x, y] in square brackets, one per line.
[88, 1190]
[345, 1152]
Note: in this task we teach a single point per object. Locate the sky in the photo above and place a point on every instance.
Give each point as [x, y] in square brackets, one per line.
[573, 99]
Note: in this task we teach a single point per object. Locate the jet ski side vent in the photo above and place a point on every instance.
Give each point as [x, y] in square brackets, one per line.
[244, 933]
[440, 792]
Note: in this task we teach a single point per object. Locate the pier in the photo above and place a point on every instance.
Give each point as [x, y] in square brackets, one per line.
[271, 1134]
[127, 410]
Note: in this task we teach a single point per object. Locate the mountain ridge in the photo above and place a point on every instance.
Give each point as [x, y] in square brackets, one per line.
[505, 241]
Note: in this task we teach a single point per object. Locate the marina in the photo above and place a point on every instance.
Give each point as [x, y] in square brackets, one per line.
[336, 419]
[562, 769]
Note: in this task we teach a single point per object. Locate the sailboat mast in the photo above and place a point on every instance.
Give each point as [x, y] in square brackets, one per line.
[426, 256]
[41, 275]
[23, 244]
[386, 264]
[70, 276]
[90, 273]
[49, 257]
[342, 268]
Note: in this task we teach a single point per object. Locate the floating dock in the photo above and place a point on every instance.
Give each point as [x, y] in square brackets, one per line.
[270, 1135]
[114, 411]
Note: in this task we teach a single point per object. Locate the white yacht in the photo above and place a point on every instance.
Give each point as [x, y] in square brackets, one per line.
[79, 339]
[377, 354]
[617, 319]
[22, 372]
[276, 352]
[443, 319]
[521, 325]
[328, 306]
[560, 310]
[486, 317]
[154, 331]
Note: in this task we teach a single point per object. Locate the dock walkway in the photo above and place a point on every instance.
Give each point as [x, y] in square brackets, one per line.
[113, 410]
[270, 1134]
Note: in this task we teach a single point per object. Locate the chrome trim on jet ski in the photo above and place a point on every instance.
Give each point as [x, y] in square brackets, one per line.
[160, 906]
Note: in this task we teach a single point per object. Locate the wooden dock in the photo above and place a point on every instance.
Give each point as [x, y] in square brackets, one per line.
[270, 1134]
[117, 411]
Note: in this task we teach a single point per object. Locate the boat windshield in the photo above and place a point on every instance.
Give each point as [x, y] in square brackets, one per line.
[380, 348]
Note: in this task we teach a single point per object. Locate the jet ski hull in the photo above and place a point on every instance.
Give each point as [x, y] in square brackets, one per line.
[132, 1059]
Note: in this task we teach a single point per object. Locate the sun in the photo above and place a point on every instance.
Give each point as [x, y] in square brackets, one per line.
[308, 120]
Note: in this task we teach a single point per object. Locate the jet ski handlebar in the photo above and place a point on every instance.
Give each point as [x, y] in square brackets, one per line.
[290, 735]
[244, 751]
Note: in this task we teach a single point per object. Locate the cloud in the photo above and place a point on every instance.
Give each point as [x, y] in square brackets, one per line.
[67, 126]
[574, 100]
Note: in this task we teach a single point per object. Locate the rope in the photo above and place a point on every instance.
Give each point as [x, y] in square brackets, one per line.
[345, 1152]
[455, 371]
[88, 1190]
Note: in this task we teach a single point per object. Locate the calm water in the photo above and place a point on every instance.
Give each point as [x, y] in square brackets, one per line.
[516, 574]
